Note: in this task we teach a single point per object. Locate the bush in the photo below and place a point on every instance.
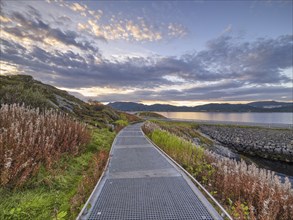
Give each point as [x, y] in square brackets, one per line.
[11, 94]
[30, 137]
[120, 124]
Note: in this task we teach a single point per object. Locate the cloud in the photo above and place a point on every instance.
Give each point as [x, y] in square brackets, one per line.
[117, 27]
[251, 63]
[7, 68]
[95, 29]
[96, 14]
[128, 30]
[174, 79]
[224, 71]
[78, 7]
[95, 24]
[34, 29]
[235, 94]
[176, 30]
[33, 12]
[203, 94]
[63, 20]
[4, 19]
[227, 69]
[142, 31]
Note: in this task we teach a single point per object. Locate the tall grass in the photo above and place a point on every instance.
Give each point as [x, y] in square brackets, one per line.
[30, 137]
[182, 129]
[246, 191]
[63, 189]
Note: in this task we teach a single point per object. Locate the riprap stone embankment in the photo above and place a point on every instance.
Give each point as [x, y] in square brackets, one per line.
[275, 144]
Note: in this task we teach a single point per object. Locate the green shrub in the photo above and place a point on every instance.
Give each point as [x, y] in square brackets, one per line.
[121, 123]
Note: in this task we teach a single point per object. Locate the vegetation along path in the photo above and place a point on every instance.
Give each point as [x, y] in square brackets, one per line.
[141, 183]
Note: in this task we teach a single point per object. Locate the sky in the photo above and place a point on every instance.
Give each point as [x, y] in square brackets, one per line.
[171, 52]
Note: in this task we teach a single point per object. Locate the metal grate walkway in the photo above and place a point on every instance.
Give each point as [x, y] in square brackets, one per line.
[141, 183]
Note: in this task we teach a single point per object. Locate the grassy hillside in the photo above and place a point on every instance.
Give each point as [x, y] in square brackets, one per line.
[24, 89]
[53, 148]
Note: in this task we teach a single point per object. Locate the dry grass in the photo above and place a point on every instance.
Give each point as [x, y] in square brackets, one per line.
[251, 192]
[29, 138]
[246, 191]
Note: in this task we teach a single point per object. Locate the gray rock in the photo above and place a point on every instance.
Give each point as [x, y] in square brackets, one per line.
[274, 144]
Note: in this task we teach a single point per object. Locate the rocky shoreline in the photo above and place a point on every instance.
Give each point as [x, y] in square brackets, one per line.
[273, 144]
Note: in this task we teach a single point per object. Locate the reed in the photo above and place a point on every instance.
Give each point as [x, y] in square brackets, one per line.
[246, 191]
[30, 137]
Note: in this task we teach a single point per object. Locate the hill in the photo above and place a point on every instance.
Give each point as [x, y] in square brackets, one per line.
[250, 107]
[51, 162]
[270, 104]
[24, 89]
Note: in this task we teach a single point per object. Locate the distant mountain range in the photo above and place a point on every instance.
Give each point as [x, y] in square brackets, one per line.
[263, 106]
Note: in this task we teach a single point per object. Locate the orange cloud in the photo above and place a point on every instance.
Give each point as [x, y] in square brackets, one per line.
[7, 68]
[4, 19]
[122, 29]
[78, 7]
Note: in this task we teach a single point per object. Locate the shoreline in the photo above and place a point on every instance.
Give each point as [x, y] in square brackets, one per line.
[252, 124]
[280, 167]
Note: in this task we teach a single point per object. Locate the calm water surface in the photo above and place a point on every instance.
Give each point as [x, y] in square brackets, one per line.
[249, 117]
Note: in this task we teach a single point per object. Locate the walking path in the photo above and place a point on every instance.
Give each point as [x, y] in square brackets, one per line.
[142, 183]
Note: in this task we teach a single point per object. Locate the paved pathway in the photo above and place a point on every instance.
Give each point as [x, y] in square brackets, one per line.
[141, 183]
